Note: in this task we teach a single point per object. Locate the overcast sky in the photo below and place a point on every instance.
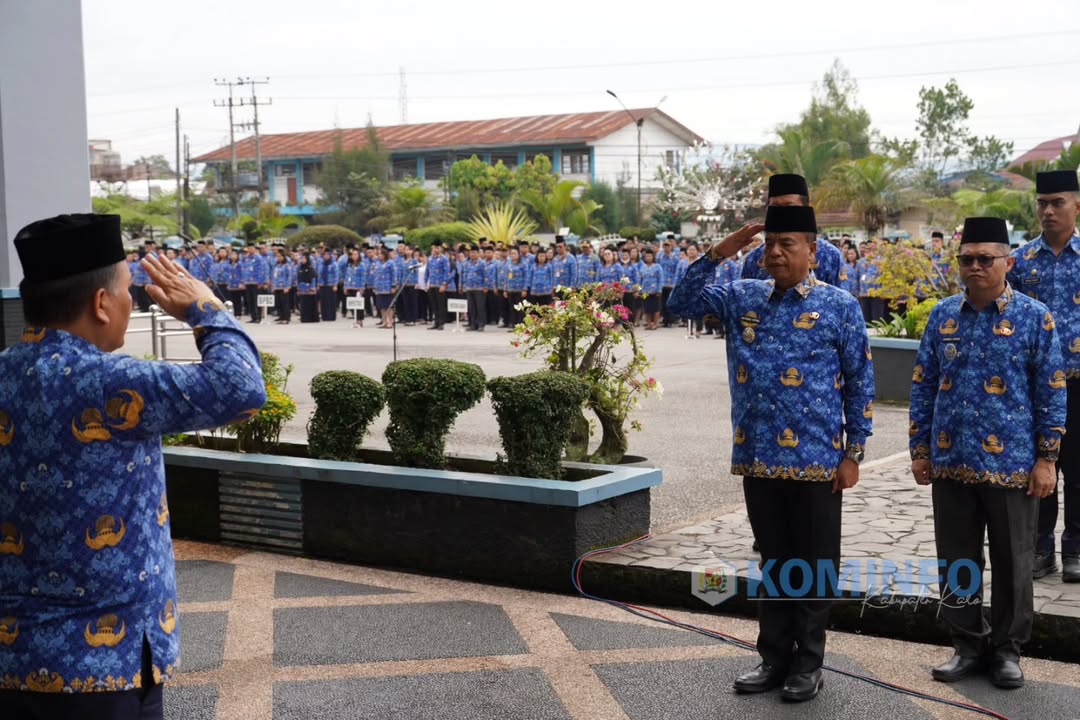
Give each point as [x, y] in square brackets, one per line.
[730, 71]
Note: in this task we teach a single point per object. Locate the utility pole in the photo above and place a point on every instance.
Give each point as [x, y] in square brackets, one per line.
[186, 217]
[232, 143]
[179, 213]
[255, 102]
[403, 96]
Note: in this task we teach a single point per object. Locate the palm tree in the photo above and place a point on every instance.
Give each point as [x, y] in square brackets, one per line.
[554, 209]
[793, 154]
[501, 223]
[411, 207]
[872, 187]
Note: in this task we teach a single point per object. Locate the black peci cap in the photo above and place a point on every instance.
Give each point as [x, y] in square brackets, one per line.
[66, 245]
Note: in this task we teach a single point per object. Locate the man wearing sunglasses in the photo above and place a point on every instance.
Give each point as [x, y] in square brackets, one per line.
[1048, 269]
[987, 410]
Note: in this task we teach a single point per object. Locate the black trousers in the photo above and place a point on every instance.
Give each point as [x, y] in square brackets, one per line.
[281, 304]
[252, 296]
[667, 318]
[794, 520]
[144, 703]
[142, 298]
[477, 309]
[963, 514]
[437, 300]
[369, 302]
[408, 309]
[493, 302]
[874, 308]
[423, 309]
[513, 316]
[238, 298]
[328, 302]
[1069, 466]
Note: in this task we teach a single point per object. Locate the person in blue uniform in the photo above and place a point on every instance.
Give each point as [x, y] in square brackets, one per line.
[438, 273]
[218, 280]
[874, 308]
[669, 261]
[693, 323]
[255, 277]
[652, 288]
[1048, 269]
[327, 269]
[849, 271]
[386, 284]
[588, 264]
[307, 288]
[987, 416]
[355, 276]
[609, 271]
[87, 576]
[517, 286]
[237, 291]
[492, 269]
[475, 289]
[281, 280]
[140, 279]
[541, 281]
[564, 266]
[802, 390]
[791, 189]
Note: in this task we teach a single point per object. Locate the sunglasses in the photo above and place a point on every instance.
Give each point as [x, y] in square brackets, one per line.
[983, 260]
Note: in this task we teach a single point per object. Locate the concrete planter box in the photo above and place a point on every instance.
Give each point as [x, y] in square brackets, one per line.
[476, 525]
[894, 361]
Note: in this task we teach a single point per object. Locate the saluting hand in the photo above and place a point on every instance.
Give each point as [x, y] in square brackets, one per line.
[173, 289]
[1043, 479]
[735, 242]
[921, 470]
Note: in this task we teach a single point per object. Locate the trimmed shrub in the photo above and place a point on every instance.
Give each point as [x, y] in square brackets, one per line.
[629, 231]
[536, 413]
[332, 236]
[346, 403]
[451, 234]
[425, 397]
[262, 431]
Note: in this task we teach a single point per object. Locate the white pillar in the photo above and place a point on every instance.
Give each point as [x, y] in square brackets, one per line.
[44, 158]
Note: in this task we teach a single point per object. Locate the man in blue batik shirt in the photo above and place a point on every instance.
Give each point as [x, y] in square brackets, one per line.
[802, 390]
[563, 265]
[791, 189]
[1048, 269]
[87, 577]
[987, 415]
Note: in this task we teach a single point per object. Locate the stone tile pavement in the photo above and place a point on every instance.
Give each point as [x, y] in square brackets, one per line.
[266, 636]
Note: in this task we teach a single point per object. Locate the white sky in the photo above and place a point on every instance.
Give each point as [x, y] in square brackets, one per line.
[731, 71]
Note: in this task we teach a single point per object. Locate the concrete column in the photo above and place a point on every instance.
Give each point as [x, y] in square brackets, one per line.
[44, 157]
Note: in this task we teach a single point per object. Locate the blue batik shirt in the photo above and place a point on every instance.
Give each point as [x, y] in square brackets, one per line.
[670, 263]
[652, 279]
[802, 382]
[438, 270]
[355, 275]
[517, 276]
[988, 390]
[542, 279]
[217, 272]
[200, 266]
[472, 275]
[328, 273]
[630, 276]
[281, 276]
[490, 274]
[868, 277]
[827, 261]
[386, 277]
[609, 274]
[1054, 280]
[254, 270]
[86, 558]
[138, 274]
[588, 267]
[565, 271]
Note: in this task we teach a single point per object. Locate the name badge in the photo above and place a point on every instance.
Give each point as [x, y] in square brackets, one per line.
[1032, 280]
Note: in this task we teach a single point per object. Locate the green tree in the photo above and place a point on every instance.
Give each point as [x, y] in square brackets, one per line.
[354, 182]
[202, 215]
[872, 187]
[835, 115]
[1069, 158]
[479, 184]
[410, 207]
[553, 209]
[1015, 206]
[606, 217]
[987, 154]
[535, 175]
[942, 124]
[794, 154]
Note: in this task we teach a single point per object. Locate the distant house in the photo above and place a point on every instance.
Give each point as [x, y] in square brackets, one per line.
[581, 146]
[1049, 150]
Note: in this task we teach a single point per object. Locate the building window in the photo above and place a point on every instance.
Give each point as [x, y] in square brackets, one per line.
[508, 159]
[669, 159]
[404, 168]
[311, 170]
[575, 163]
[436, 167]
[285, 170]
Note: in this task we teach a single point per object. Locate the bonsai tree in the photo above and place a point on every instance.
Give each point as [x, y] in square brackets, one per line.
[425, 396]
[535, 413]
[588, 334]
[346, 403]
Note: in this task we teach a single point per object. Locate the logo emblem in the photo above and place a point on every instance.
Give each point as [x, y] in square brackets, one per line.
[951, 352]
[1057, 381]
[787, 439]
[992, 445]
[949, 327]
[748, 334]
[995, 386]
[791, 377]
[714, 584]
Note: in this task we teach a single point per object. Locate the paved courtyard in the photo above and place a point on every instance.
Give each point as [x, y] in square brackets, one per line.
[687, 432]
[267, 636]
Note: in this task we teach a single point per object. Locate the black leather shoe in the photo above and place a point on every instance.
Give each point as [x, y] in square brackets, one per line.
[1043, 566]
[761, 679]
[800, 687]
[958, 666]
[1006, 674]
[1070, 568]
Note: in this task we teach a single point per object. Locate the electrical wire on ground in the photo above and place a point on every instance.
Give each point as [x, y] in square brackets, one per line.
[648, 614]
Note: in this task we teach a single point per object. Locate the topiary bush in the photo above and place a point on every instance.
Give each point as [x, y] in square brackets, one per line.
[332, 236]
[346, 403]
[425, 396]
[536, 413]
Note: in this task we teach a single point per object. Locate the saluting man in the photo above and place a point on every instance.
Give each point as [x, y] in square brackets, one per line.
[802, 390]
[1048, 269]
[987, 410]
[828, 264]
[87, 577]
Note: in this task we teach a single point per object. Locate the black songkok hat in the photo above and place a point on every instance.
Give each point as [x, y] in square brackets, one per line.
[984, 230]
[937, 234]
[1056, 181]
[559, 239]
[436, 242]
[790, 218]
[66, 245]
[787, 184]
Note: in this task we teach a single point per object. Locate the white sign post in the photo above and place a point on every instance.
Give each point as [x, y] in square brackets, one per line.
[457, 306]
[265, 301]
[356, 304]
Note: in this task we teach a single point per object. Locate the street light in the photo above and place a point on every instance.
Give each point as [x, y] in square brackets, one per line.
[639, 122]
